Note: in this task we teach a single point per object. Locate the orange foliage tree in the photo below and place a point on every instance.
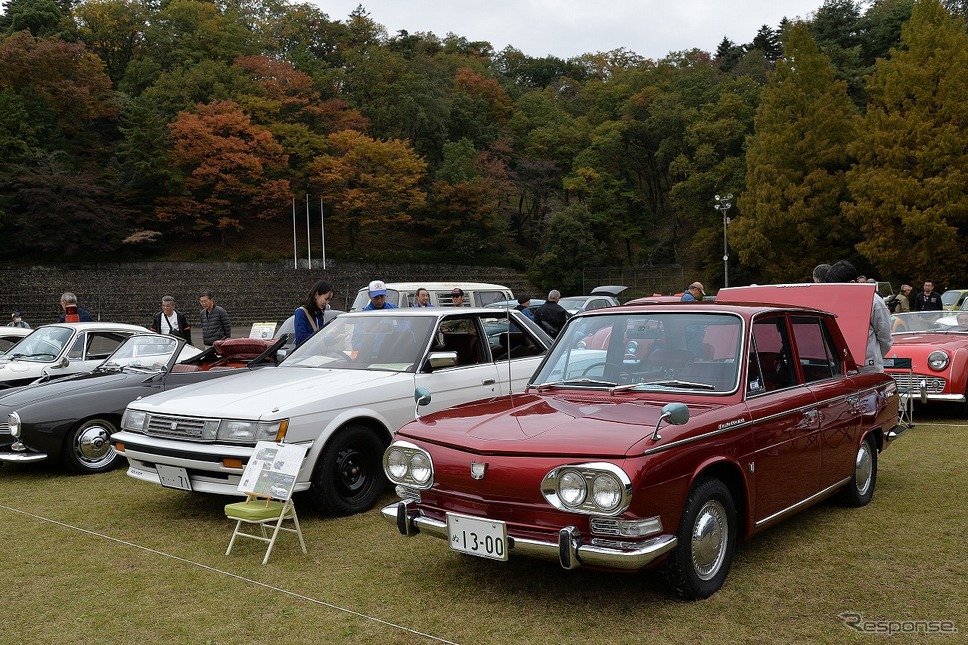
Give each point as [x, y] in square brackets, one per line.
[231, 171]
[368, 181]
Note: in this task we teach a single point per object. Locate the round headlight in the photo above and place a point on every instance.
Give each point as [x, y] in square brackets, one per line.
[571, 488]
[937, 360]
[606, 492]
[420, 468]
[14, 420]
[397, 464]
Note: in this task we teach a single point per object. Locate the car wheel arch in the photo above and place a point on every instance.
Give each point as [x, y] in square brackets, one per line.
[731, 474]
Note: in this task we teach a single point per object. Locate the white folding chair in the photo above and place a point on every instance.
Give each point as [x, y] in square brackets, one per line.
[271, 505]
[907, 389]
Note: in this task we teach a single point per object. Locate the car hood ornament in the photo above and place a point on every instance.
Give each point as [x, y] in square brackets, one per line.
[478, 470]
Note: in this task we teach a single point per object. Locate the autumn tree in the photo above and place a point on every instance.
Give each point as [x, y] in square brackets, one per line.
[113, 30]
[571, 247]
[910, 184]
[230, 169]
[787, 218]
[368, 182]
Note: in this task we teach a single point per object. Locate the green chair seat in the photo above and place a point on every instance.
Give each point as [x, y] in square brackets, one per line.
[255, 511]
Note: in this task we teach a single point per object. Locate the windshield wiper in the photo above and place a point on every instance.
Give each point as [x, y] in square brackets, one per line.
[574, 381]
[672, 382]
[34, 355]
[109, 367]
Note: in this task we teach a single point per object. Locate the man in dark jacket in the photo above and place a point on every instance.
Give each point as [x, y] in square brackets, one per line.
[928, 300]
[551, 316]
[73, 313]
[215, 320]
[169, 321]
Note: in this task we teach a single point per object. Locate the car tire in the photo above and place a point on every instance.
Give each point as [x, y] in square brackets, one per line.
[87, 447]
[699, 564]
[349, 476]
[860, 490]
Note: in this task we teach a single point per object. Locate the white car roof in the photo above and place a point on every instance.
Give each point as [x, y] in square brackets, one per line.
[444, 286]
[100, 326]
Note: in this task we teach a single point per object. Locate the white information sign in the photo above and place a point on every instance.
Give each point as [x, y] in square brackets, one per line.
[262, 330]
[272, 470]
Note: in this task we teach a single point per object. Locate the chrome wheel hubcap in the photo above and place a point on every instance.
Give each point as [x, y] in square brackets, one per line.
[709, 540]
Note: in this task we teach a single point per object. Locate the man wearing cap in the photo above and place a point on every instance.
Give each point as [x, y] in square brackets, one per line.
[694, 293]
[524, 305]
[17, 321]
[457, 297]
[378, 297]
[903, 304]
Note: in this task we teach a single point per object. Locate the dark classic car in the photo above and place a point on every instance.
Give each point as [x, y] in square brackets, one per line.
[936, 342]
[689, 427]
[72, 418]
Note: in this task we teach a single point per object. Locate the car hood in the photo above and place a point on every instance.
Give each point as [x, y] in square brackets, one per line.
[929, 341]
[545, 425]
[266, 393]
[68, 385]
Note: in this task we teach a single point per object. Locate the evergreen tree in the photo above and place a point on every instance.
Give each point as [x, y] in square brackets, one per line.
[910, 184]
[795, 163]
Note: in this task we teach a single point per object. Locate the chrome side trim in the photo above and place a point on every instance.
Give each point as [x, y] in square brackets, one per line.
[584, 554]
[806, 502]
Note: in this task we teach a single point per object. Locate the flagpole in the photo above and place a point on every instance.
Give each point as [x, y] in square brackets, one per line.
[309, 245]
[295, 262]
[322, 231]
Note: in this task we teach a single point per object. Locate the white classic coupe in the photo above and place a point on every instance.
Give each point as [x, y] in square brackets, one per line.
[345, 392]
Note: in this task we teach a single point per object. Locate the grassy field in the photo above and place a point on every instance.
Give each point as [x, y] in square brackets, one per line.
[106, 559]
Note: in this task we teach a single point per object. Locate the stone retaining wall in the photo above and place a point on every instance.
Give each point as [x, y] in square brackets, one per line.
[250, 292]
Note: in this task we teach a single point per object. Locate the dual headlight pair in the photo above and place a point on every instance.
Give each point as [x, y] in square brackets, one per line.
[598, 488]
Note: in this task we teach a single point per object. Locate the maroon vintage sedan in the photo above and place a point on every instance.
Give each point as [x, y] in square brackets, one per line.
[689, 426]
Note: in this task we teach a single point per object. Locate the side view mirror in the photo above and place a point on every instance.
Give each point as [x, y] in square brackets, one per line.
[442, 359]
[61, 364]
[421, 397]
[675, 413]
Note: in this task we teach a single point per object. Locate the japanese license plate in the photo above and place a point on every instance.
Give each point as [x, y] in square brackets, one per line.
[481, 537]
[173, 477]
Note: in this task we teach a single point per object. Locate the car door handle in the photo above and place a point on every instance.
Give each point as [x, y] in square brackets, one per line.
[488, 381]
[810, 415]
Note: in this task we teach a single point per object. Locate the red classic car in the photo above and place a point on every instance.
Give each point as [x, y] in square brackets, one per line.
[688, 427]
[937, 344]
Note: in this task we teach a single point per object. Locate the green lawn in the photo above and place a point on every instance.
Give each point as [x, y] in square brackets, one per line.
[106, 559]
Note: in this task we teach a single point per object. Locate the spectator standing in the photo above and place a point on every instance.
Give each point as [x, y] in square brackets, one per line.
[879, 340]
[310, 316]
[73, 313]
[169, 321]
[903, 304]
[820, 272]
[422, 299]
[928, 300]
[524, 306]
[694, 293]
[377, 292]
[17, 321]
[457, 297]
[551, 316]
[215, 320]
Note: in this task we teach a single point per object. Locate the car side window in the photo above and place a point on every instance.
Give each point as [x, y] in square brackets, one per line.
[771, 360]
[461, 335]
[100, 346]
[818, 360]
[76, 352]
[508, 340]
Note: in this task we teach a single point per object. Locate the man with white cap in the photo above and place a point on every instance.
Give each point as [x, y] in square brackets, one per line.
[378, 297]
[694, 293]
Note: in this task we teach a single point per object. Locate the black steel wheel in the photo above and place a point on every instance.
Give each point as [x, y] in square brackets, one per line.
[349, 475]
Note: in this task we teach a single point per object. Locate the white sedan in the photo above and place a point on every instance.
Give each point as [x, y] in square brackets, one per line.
[345, 392]
[52, 351]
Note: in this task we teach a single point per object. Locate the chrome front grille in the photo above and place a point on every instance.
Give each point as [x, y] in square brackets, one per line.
[4, 427]
[933, 384]
[161, 425]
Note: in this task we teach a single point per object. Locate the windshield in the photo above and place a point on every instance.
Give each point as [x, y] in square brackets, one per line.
[914, 322]
[380, 341]
[646, 351]
[950, 298]
[42, 346]
[145, 352]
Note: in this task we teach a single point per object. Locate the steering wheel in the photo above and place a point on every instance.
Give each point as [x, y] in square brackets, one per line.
[621, 369]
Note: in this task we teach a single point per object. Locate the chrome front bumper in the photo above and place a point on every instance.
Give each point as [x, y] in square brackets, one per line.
[567, 550]
[20, 455]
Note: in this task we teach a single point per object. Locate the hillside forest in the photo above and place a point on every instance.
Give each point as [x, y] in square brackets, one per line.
[130, 129]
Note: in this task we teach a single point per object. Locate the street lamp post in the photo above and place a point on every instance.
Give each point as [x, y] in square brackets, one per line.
[722, 204]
